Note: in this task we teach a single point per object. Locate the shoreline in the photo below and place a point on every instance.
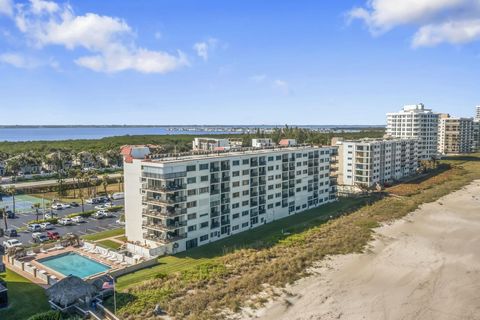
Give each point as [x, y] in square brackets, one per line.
[422, 266]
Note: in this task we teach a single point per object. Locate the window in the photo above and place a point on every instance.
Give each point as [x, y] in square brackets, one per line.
[245, 161]
[203, 166]
[245, 192]
[192, 192]
[270, 206]
[235, 227]
[236, 195]
[204, 238]
[245, 213]
[236, 184]
[246, 172]
[235, 162]
[270, 158]
[245, 203]
[203, 224]
[192, 216]
[235, 173]
[245, 224]
[203, 190]
[204, 214]
[192, 180]
[236, 216]
[278, 158]
[245, 182]
[192, 228]
[235, 205]
[191, 204]
[204, 178]
[191, 167]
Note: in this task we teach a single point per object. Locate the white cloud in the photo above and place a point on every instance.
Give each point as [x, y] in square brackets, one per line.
[438, 21]
[6, 7]
[18, 60]
[203, 48]
[281, 86]
[109, 40]
[450, 32]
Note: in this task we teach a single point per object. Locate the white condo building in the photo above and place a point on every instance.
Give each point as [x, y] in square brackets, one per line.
[415, 121]
[368, 162]
[455, 135]
[177, 202]
[210, 144]
[477, 114]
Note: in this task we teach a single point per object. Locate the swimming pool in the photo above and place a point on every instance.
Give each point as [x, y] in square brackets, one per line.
[74, 264]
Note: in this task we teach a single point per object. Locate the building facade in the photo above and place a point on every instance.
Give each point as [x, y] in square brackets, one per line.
[455, 135]
[368, 162]
[477, 114]
[210, 144]
[262, 143]
[415, 121]
[173, 204]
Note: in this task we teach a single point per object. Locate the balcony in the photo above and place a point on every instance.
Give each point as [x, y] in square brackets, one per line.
[165, 189]
[162, 226]
[165, 202]
[164, 238]
[164, 213]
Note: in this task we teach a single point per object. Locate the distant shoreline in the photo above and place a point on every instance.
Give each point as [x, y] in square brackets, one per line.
[190, 126]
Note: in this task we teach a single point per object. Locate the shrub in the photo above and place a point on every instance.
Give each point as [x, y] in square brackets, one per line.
[52, 221]
[49, 315]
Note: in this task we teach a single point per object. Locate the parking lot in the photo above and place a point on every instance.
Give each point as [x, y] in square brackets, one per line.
[90, 225]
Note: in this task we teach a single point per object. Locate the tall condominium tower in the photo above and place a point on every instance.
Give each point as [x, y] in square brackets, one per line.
[455, 135]
[415, 121]
[177, 202]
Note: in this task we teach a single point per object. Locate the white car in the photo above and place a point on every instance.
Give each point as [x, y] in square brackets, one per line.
[48, 216]
[98, 215]
[57, 206]
[12, 243]
[78, 219]
[108, 205]
[100, 207]
[66, 205]
[65, 221]
[46, 226]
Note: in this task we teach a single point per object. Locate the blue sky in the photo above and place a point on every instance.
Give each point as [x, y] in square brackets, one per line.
[235, 62]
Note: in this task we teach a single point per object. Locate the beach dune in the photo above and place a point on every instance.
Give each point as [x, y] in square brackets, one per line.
[424, 266]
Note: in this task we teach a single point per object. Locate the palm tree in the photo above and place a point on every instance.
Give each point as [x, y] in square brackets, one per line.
[36, 206]
[2, 192]
[12, 191]
[3, 214]
[105, 178]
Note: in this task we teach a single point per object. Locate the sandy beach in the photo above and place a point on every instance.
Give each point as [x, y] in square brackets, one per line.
[424, 266]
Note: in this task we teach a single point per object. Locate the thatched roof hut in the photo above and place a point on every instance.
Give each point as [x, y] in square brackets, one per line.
[67, 291]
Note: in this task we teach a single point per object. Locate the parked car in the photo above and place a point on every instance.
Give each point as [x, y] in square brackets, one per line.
[65, 221]
[74, 204]
[108, 205]
[46, 226]
[78, 219]
[118, 195]
[12, 243]
[103, 199]
[65, 205]
[49, 215]
[53, 235]
[39, 237]
[98, 215]
[34, 227]
[91, 201]
[107, 214]
[10, 214]
[100, 207]
[57, 206]
[10, 233]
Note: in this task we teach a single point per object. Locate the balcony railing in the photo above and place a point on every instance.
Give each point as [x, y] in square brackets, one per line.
[166, 189]
[168, 201]
[164, 214]
[164, 226]
[164, 239]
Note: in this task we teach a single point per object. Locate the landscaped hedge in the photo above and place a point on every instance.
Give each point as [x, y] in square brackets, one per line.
[52, 221]
[49, 315]
[85, 214]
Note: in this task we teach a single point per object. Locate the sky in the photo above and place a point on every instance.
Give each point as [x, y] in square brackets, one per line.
[235, 62]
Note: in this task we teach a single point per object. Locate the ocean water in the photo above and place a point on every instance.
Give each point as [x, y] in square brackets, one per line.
[50, 134]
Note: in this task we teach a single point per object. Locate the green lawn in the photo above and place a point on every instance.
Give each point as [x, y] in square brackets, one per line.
[109, 244]
[26, 299]
[104, 234]
[266, 235]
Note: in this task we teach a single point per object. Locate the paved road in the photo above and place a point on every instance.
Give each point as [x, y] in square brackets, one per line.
[90, 226]
[45, 183]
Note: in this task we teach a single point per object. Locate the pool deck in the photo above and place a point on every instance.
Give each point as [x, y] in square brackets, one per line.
[42, 255]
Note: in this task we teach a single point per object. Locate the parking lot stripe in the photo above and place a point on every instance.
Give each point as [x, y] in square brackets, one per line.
[102, 228]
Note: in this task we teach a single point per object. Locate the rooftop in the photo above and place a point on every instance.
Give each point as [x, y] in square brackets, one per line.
[200, 155]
